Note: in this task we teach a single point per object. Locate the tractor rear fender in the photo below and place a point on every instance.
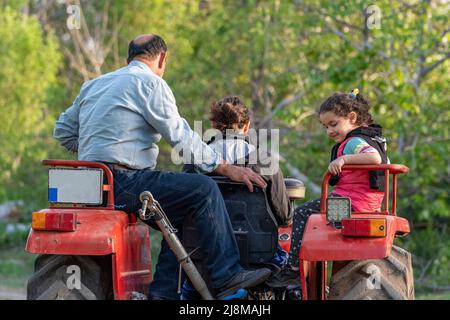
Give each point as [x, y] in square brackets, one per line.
[322, 242]
[99, 233]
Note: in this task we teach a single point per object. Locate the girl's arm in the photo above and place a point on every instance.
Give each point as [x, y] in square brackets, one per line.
[335, 166]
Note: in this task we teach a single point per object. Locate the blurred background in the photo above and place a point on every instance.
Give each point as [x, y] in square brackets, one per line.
[282, 57]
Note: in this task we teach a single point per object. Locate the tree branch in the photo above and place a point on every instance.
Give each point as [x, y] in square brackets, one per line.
[360, 48]
[286, 101]
[315, 189]
[297, 174]
[430, 68]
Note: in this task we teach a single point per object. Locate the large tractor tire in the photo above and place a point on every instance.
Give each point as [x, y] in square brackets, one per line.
[390, 278]
[64, 277]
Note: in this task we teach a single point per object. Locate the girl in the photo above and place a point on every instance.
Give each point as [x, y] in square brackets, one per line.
[348, 122]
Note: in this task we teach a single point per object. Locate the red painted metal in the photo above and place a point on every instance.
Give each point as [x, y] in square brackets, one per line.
[313, 276]
[394, 194]
[323, 280]
[100, 231]
[304, 273]
[393, 169]
[285, 244]
[321, 241]
[386, 194]
[87, 164]
[132, 267]
[312, 281]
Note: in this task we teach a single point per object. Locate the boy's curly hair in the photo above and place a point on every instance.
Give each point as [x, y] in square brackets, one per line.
[342, 104]
[229, 111]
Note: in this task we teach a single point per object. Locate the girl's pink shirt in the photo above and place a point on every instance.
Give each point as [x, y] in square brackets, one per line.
[355, 185]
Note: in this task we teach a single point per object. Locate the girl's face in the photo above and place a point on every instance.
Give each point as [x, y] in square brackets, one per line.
[337, 126]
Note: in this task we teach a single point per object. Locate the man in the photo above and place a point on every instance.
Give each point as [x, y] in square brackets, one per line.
[118, 118]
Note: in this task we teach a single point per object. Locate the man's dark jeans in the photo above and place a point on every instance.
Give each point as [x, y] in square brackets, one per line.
[180, 194]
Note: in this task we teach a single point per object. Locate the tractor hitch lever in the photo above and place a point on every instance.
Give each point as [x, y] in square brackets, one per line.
[147, 201]
[169, 233]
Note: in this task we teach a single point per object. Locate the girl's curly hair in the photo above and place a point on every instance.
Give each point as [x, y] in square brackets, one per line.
[342, 104]
[229, 112]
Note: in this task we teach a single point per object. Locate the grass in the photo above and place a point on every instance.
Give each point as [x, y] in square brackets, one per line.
[16, 266]
[433, 296]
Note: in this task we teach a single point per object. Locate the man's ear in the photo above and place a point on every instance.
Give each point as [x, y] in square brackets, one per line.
[162, 57]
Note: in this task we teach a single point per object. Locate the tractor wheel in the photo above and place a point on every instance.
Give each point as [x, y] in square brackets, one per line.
[390, 278]
[64, 277]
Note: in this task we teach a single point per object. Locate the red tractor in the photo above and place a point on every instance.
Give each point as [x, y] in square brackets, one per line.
[89, 250]
[365, 262]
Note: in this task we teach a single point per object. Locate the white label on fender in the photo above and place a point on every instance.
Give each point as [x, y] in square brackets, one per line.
[82, 186]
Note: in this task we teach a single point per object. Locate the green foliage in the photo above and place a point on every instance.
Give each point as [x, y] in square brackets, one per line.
[12, 238]
[269, 51]
[14, 4]
[28, 70]
[283, 57]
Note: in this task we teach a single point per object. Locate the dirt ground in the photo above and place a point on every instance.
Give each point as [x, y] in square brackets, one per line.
[12, 294]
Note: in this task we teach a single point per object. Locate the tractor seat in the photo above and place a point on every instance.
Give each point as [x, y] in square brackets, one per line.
[295, 189]
[254, 224]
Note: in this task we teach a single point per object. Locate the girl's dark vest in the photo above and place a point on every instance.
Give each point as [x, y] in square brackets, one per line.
[373, 136]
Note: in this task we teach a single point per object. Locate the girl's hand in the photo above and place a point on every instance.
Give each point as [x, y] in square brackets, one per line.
[335, 166]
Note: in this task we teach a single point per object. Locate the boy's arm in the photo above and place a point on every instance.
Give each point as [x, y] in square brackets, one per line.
[335, 166]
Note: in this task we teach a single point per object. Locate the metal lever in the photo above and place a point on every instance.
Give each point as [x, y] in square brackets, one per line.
[169, 234]
[147, 200]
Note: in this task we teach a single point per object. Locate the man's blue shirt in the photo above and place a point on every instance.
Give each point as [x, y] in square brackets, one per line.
[120, 117]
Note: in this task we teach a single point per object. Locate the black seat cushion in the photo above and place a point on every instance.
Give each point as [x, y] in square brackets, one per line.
[254, 225]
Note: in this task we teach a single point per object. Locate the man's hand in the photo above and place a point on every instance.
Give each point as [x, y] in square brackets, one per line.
[241, 174]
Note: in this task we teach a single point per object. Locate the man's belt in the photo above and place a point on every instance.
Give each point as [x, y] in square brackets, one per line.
[116, 166]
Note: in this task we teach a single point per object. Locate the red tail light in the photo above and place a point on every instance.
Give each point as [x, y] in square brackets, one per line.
[364, 227]
[53, 221]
